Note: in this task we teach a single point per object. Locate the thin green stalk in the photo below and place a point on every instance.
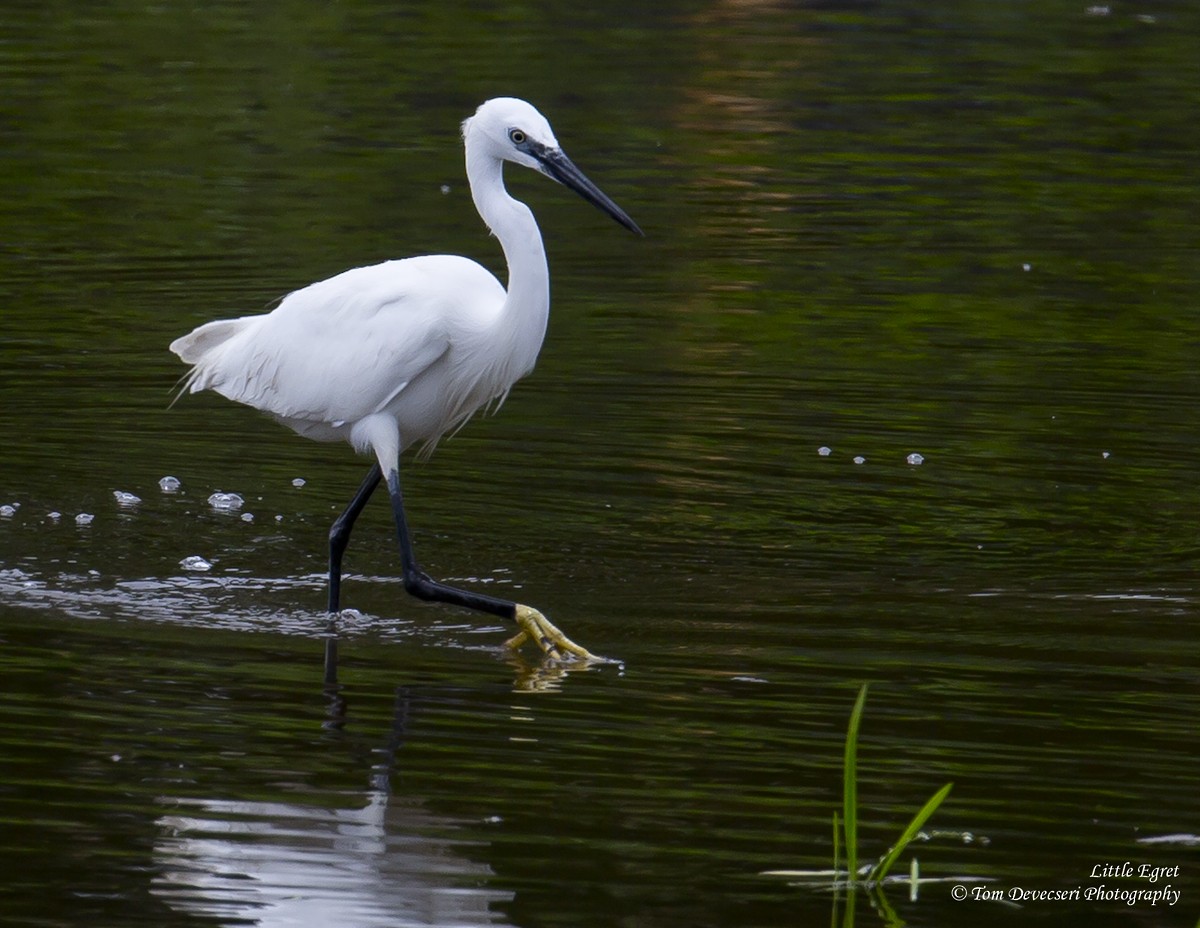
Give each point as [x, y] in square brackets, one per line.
[850, 786]
[880, 870]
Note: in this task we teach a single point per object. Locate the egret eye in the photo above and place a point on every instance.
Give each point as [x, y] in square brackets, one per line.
[516, 136]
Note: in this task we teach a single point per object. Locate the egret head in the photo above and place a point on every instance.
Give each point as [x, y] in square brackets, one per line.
[513, 130]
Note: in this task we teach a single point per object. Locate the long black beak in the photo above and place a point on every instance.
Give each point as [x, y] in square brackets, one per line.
[558, 166]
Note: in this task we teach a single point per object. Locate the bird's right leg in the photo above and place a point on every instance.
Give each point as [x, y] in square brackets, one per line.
[533, 625]
[339, 533]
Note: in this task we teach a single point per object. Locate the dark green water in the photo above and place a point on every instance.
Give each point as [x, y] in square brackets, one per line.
[967, 232]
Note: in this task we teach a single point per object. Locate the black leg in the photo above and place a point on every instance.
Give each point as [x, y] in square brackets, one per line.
[533, 625]
[339, 534]
[331, 657]
[419, 583]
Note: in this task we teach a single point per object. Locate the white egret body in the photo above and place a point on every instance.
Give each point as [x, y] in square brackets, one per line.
[400, 353]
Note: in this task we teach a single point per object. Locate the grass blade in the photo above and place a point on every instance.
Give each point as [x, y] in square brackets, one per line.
[850, 786]
[880, 870]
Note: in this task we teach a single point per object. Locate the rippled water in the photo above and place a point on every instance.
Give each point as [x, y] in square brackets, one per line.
[967, 234]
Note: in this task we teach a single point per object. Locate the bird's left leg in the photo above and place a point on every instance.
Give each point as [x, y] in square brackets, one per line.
[339, 538]
[339, 533]
[534, 626]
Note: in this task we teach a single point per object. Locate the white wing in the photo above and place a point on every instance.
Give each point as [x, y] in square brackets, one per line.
[344, 348]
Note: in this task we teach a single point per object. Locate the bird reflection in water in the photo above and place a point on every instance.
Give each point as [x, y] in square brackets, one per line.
[381, 861]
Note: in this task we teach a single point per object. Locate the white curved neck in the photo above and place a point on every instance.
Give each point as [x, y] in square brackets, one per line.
[528, 303]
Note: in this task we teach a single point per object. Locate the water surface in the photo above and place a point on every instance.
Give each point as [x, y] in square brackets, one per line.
[882, 230]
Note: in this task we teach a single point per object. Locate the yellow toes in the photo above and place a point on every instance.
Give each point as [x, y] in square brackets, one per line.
[517, 640]
[541, 631]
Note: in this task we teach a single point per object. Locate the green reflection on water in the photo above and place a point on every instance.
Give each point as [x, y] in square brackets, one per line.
[967, 232]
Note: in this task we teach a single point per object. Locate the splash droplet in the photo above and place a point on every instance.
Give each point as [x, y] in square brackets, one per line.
[169, 484]
[226, 502]
[195, 562]
[915, 459]
[126, 500]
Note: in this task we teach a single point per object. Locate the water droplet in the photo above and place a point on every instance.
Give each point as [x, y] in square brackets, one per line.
[195, 562]
[247, 517]
[445, 188]
[859, 459]
[169, 484]
[226, 502]
[915, 459]
[54, 516]
[299, 482]
[824, 451]
[126, 500]
[1104, 454]
[84, 518]
[279, 518]
[1027, 266]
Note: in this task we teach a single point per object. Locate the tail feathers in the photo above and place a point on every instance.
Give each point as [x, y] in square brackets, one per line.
[192, 347]
[200, 347]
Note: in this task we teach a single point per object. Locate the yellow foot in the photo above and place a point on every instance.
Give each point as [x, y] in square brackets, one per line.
[541, 631]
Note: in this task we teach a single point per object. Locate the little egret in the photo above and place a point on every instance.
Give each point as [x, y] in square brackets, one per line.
[403, 352]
